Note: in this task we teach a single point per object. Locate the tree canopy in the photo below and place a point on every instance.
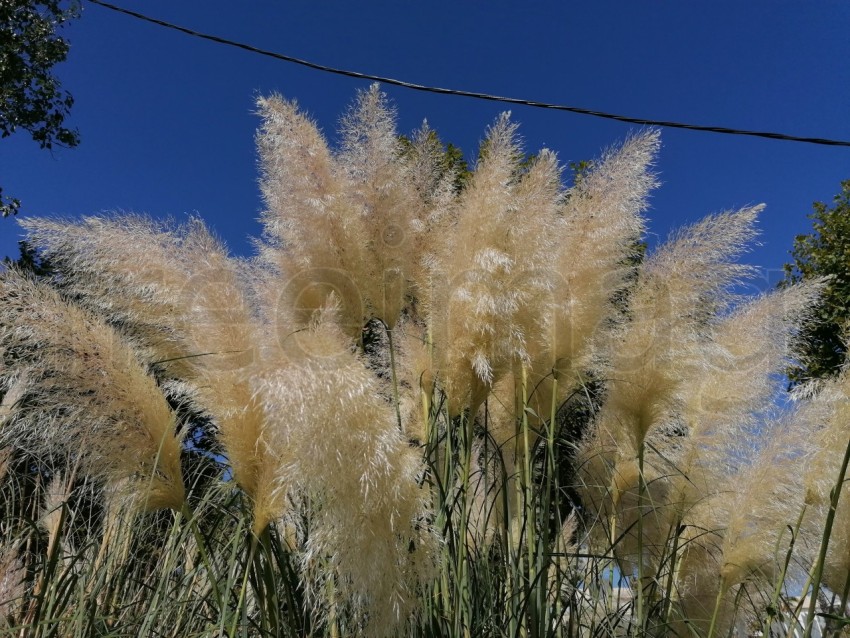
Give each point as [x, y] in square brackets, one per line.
[825, 252]
[31, 97]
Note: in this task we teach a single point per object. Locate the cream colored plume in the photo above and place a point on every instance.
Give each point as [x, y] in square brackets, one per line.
[732, 389]
[490, 268]
[228, 341]
[342, 223]
[381, 185]
[436, 183]
[680, 290]
[187, 304]
[594, 257]
[13, 393]
[764, 499]
[729, 390]
[12, 586]
[5, 461]
[127, 269]
[341, 455]
[416, 380]
[597, 234]
[740, 535]
[310, 234]
[52, 511]
[672, 308]
[737, 486]
[172, 288]
[825, 416]
[87, 394]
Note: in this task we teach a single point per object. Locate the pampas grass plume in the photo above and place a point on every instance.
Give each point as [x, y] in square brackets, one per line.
[598, 228]
[368, 523]
[340, 223]
[486, 285]
[88, 394]
[680, 289]
[125, 268]
[12, 585]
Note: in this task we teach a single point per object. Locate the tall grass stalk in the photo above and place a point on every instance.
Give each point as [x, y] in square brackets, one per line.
[639, 586]
[772, 608]
[817, 569]
[396, 400]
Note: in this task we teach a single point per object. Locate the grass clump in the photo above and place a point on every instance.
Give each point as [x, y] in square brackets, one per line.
[427, 407]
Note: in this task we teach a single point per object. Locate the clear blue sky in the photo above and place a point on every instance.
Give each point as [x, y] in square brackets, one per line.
[167, 121]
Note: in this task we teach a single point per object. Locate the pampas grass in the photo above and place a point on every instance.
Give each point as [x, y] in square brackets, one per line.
[87, 394]
[369, 529]
[361, 205]
[11, 586]
[427, 407]
[826, 415]
[486, 287]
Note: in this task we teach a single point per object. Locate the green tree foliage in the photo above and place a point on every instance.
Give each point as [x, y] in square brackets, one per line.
[825, 252]
[451, 159]
[31, 97]
[30, 261]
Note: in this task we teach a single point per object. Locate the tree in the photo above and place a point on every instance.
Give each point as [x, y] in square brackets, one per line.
[825, 252]
[30, 261]
[31, 97]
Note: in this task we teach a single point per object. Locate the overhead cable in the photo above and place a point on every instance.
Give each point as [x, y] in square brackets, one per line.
[472, 94]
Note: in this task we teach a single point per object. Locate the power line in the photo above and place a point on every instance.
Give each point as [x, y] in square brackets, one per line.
[472, 94]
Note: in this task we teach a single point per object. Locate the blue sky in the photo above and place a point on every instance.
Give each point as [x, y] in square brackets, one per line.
[167, 121]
